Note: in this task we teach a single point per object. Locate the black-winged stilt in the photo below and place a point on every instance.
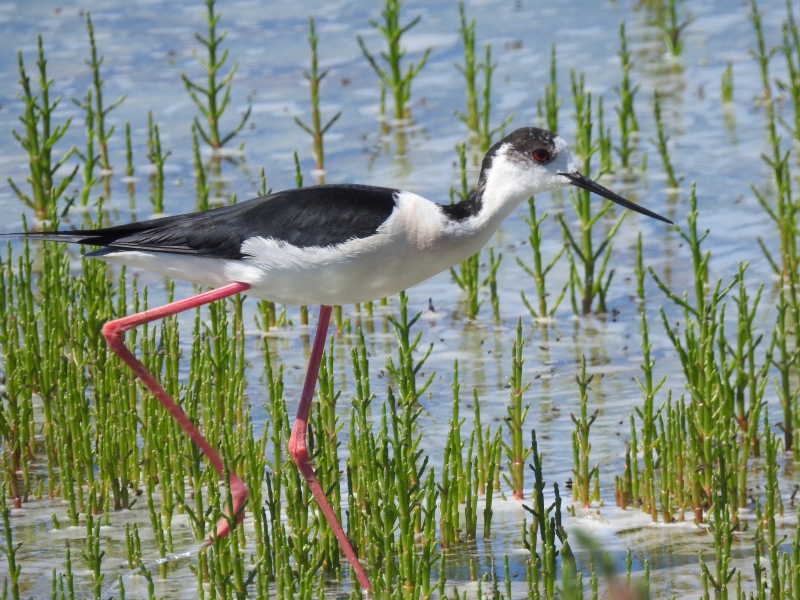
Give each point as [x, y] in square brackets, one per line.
[326, 245]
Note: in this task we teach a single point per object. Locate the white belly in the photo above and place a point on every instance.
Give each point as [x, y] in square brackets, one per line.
[357, 271]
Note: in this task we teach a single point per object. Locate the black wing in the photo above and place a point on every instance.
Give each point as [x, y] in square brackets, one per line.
[321, 215]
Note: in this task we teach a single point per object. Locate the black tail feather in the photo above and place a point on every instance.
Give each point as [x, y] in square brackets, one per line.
[72, 237]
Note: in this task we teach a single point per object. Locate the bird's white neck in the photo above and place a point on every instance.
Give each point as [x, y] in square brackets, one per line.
[499, 192]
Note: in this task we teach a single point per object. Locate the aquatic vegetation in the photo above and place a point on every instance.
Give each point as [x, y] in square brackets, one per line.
[398, 83]
[592, 285]
[551, 102]
[157, 158]
[673, 28]
[761, 54]
[626, 117]
[212, 101]
[515, 451]
[538, 272]
[9, 548]
[38, 140]
[478, 114]
[200, 178]
[316, 130]
[661, 143]
[706, 436]
[467, 277]
[791, 52]
[583, 473]
[726, 84]
[94, 102]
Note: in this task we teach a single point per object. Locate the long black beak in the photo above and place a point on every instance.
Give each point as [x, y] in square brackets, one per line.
[585, 183]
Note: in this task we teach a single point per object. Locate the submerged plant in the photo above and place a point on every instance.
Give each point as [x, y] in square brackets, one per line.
[661, 143]
[392, 76]
[626, 116]
[89, 157]
[583, 474]
[477, 117]
[9, 548]
[726, 86]
[593, 283]
[213, 99]
[99, 111]
[467, 277]
[157, 158]
[551, 100]
[673, 29]
[39, 139]
[515, 451]
[316, 130]
[539, 272]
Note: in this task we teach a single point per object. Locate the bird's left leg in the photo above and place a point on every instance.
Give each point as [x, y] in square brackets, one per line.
[299, 450]
[113, 331]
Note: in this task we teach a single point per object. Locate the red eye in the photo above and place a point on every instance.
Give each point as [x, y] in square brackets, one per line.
[541, 155]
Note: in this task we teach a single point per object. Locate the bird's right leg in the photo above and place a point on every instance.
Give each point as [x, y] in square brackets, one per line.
[299, 450]
[113, 331]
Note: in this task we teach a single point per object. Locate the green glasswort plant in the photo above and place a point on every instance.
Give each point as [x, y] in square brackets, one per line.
[212, 100]
[643, 491]
[99, 111]
[762, 55]
[538, 272]
[661, 142]
[582, 473]
[672, 29]
[89, 157]
[201, 181]
[157, 158]
[38, 140]
[394, 79]
[477, 118]
[9, 548]
[626, 117]
[542, 566]
[791, 52]
[316, 130]
[726, 84]
[515, 451]
[551, 100]
[603, 140]
[593, 284]
[698, 353]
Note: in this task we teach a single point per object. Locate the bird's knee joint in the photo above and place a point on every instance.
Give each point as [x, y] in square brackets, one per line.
[298, 452]
[109, 329]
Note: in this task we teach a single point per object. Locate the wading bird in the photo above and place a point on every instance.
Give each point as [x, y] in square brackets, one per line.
[326, 245]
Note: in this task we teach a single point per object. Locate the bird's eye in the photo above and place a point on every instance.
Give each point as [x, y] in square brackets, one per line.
[541, 155]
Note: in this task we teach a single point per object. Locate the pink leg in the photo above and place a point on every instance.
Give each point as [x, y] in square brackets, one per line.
[113, 331]
[299, 451]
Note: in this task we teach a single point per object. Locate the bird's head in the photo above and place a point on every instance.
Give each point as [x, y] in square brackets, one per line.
[537, 160]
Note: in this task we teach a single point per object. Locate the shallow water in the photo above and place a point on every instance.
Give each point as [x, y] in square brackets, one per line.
[147, 44]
